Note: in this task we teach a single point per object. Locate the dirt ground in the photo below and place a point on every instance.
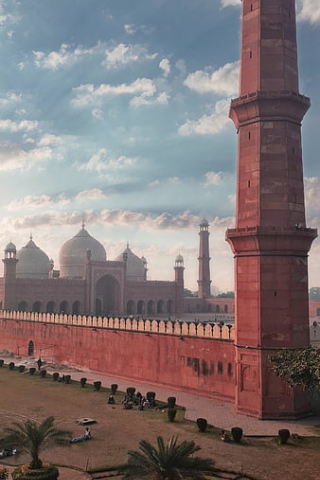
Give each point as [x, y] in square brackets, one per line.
[117, 430]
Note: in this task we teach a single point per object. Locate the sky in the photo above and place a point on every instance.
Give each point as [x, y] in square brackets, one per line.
[116, 112]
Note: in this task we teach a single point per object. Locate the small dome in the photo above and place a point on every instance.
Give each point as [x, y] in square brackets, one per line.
[33, 262]
[179, 258]
[136, 267]
[204, 223]
[73, 254]
[10, 248]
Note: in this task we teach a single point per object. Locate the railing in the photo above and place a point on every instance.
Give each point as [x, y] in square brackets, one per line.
[180, 328]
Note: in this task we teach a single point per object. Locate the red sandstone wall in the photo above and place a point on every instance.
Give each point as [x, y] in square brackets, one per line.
[186, 363]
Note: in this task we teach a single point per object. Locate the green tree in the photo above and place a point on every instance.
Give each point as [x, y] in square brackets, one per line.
[34, 438]
[174, 461]
[299, 367]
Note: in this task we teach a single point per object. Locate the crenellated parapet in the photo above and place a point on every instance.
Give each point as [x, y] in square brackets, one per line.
[163, 327]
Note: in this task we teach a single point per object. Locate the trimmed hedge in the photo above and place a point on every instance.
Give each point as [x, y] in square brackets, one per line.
[83, 381]
[67, 379]
[202, 424]
[171, 402]
[46, 472]
[284, 435]
[97, 385]
[114, 388]
[55, 376]
[32, 371]
[11, 366]
[172, 412]
[236, 434]
[43, 373]
[21, 368]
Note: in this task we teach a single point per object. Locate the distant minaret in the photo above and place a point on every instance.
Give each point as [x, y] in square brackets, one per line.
[10, 263]
[179, 283]
[270, 242]
[204, 281]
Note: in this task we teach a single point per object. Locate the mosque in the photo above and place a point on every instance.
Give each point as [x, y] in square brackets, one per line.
[90, 284]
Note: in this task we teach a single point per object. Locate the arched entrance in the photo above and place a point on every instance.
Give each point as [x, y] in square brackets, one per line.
[140, 307]
[22, 306]
[76, 308]
[150, 307]
[160, 306]
[108, 295]
[64, 307]
[30, 348]
[130, 307]
[50, 307]
[36, 307]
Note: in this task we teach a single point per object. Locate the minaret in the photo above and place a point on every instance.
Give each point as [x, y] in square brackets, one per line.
[270, 242]
[179, 283]
[204, 281]
[9, 276]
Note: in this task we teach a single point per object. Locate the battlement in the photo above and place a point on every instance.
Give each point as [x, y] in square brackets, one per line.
[166, 327]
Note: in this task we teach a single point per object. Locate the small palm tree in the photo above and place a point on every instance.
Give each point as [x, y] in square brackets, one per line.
[173, 461]
[34, 438]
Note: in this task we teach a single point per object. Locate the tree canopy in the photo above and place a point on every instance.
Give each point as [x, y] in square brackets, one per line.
[299, 367]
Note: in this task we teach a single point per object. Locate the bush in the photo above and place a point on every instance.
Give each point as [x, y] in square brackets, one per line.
[4, 474]
[1, 365]
[131, 391]
[46, 472]
[114, 388]
[43, 373]
[171, 402]
[21, 368]
[11, 366]
[97, 385]
[67, 379]
[83, 381]
[150, 396]
[202, 424]
[284, 435]
[32, 370]
[55, 376]
[172, 412]
[236, 434]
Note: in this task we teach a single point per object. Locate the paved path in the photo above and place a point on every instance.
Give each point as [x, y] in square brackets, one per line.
[218, 413]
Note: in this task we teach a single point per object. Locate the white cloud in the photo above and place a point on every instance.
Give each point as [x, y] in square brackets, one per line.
[124, 54]
[13, 127]
[208, 124]
[309, 11]
[65, 56]
[230, 3]
[213, 178]
[312, 193]
[88, 94]
[30, 201]
[223, 81]
[10, 97]
[12, 158]
[165, 66]
[131, 28]
[49, 139]
[87, 195]
[97, 113]
[101, 162]
[161, 99]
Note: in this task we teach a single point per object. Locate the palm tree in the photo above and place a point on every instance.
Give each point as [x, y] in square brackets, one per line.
[167, 462]
[34, 438]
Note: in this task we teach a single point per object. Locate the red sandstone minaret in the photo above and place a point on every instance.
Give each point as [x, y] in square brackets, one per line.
[179, 283]
[204, 281]
[270, 242]
[9, 277]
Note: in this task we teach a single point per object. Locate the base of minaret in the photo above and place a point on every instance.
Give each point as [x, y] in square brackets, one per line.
[271, 313]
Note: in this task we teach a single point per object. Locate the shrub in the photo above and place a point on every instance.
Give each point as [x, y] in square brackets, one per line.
[171, 402]
[1, 363]
[11, 366]
[172, 412]
[150, 396]
[4, 474]
[21, 368]
[284, 435]
[236, 434]
[131, 391]
[67, 379]
[202, 424]
[55, 376]
[46, 472]
[114, 388]
[97, 385]
[83, 381]
[32, 370]
[43, 373]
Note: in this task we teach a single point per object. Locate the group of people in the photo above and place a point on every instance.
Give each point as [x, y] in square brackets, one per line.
[138, 400]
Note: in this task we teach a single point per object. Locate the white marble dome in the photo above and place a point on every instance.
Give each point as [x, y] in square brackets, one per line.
[33, 262]
[136, 267]
[73, 254]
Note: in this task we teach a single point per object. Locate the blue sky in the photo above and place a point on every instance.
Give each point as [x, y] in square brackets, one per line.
[117, 110]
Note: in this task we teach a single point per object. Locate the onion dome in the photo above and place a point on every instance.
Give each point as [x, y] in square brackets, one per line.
[136, 267]
[10, 248]
[33, 262]
[179, 261]
[204, 223]
[74, 252]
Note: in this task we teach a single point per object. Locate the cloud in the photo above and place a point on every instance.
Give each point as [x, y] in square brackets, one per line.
[13, 127]
[230, 3]
[97, 113]
[131, 28]
[208, 124]
[161, 99]
[88, 94]
[312, 192]
[13, 158]
[9, 98]
[100, 162]
[30, 201]
[309, 11]
[213, 178]
[124, 54]
[49, 139]
[223, 81]
[88, 195]
[65, 56]
[165, 66]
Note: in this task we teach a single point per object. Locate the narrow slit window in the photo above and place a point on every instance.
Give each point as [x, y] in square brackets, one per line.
[250, 54]
[249, 183]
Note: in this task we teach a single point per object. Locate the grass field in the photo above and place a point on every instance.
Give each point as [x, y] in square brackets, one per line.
[116, 431]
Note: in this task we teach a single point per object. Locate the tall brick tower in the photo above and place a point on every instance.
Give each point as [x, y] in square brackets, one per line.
[204, 281]
[270, 242]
